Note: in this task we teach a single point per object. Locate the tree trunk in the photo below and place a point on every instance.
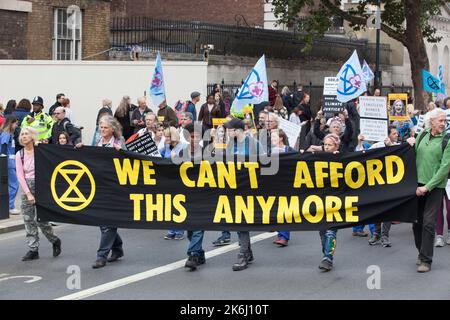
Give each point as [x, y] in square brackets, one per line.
[417, 51]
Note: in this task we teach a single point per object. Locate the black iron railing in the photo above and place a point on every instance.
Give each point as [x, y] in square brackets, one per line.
[193, 37]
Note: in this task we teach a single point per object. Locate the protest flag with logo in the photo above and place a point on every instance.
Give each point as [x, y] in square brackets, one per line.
[157, 90]
[367, 72]
[351, 82]
[255, 89]
[431, 84]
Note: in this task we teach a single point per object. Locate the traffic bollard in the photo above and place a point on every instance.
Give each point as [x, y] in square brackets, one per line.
[4, 192]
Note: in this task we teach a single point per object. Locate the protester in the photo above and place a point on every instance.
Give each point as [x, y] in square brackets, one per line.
[10, 107]
[297, 96]
[8, 147]
[280, 144]
[286, 95]
[123, 115]
[295, 116]
[173, 148]
[328, 237]
[195, 252]
[166, 115]
[138, 115]
[227, 101]
[110, 137]
[59, 100]
[241, 144]
[186, 118]
[273, 91]
[433, 165]
[208, 111]
[219, 101]
[22, 110]
[150, 125]
[279, 109]
[63, 124]
[25, 169]
[39, 120]
[67, 109]
[190, 107]
[440, 241]
[64, 139]
[305, 108]
[159, 136]
[381, 230]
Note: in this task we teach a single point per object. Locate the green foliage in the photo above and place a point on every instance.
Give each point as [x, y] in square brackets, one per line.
[318, 20]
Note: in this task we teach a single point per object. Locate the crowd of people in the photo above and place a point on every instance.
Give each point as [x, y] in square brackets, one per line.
[179, 131]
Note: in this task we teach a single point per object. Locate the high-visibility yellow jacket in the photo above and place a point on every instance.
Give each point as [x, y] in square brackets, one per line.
[42, 122]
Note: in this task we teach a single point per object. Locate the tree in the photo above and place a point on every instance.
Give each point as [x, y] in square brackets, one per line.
[406, 21]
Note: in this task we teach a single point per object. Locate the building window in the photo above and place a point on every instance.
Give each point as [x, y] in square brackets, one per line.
[64, 39]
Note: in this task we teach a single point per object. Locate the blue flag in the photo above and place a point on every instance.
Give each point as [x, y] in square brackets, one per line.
[255, 89]
[431, 84]
[351, 81]
[367, 72]
[157, 91]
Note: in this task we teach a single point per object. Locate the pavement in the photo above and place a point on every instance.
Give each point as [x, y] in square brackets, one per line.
[153, 268]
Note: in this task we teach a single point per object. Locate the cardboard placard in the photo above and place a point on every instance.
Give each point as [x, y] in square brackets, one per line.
[144, 145]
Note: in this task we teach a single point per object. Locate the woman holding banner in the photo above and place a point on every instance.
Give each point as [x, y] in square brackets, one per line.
[331, 143]
[110, 241]
[433, 165]
[25, 169]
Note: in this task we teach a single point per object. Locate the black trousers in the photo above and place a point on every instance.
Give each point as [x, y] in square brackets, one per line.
[424, 227]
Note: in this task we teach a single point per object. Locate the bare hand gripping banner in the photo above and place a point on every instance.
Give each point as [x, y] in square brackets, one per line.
[103, 187]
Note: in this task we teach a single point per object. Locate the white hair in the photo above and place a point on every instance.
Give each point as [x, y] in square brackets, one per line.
[275, 118]
[433, 114]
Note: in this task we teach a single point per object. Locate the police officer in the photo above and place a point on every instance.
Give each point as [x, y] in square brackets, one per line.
[39, 120]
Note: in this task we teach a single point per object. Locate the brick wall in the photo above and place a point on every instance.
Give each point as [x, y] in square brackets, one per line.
[95, 27]
[224, 11]
[13, 34]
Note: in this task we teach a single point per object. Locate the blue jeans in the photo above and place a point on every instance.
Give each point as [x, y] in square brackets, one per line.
[285, 235]
[328, 238]
[13, 185]
[195, 243]
[110, 241]
[175, 232]
[361, 228]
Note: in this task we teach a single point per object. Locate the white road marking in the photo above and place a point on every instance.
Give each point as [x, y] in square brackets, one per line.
[156, 271]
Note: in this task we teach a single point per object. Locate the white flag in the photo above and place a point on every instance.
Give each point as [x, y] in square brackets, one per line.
[367, 72]
[255, 89]
[351, 82]
[157, 90]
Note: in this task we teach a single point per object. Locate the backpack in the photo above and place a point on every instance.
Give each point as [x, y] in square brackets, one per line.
[76, 130]
[179, 108]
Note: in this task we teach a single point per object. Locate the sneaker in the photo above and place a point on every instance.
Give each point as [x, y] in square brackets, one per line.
[31, 255]
[99, 264]
[222, 241]
[281, 242]
[115, 256]
[360, 234]
[14, 212]
[241, 263]
[447, 240]
[439, 242]
[194, 261]
[385, 242]
[423, 267]
[326, 265]
[57, 248]
[375, 239]
[169, 236]
[178, 237]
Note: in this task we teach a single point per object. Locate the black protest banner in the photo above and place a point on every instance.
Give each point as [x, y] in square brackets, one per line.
[102, 186]
[144, 145]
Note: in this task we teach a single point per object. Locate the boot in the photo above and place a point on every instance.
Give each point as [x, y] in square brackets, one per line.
[193, 262]
[241, 263]
[31, 255]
